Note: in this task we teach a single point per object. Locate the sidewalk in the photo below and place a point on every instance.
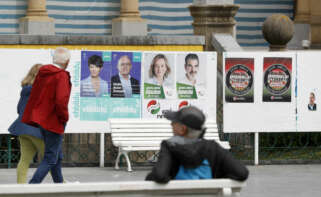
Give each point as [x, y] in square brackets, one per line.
[264, 181]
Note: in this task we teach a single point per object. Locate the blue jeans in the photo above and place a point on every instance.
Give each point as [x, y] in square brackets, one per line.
[52, 158]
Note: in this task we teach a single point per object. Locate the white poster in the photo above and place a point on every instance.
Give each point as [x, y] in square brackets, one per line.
[260, 115]
[309, 91]
[15, 66]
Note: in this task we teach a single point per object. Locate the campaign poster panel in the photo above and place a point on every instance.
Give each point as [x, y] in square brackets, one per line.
[159, 72]
[277, 77]
[94, 96]
[125, 83]
[239, 80]
[309, 91]
[259, 115]
[190, 71]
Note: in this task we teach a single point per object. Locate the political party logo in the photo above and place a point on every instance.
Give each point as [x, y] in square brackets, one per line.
[153, 107]
[277, 79]
[183, 104]
[239, 79]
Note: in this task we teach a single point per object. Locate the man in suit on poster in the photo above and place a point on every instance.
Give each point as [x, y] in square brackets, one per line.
[312, 106]
[122, 84]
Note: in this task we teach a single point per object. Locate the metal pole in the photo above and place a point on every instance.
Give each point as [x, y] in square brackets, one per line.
[9, 151]
[256, 148]
[102, 150]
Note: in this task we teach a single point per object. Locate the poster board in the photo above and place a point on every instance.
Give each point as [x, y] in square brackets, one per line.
[309, 81]
[259, 92]
[90, 113]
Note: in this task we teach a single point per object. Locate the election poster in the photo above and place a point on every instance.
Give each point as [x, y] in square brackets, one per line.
[94, 97]
[191, 69]
[239, 80]
[159, 73]
[110, 85]
[277, 79]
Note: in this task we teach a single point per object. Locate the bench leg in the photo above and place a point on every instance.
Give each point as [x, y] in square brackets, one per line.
[227, 192]
[128, 162]
[117, 159]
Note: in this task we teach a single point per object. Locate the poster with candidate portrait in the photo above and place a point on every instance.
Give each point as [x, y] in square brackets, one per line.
[239, 80]
[277, 77]
[159, 72]
[95, 73]
[94, 76]
[125, 84]
[190, 71]
[178, 91]
[110, 85]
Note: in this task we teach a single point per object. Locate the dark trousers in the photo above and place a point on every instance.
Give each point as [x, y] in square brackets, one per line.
[52, 158]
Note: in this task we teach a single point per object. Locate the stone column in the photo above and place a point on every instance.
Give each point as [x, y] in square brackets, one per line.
[302, 24]
[315, 22]
[129, 23]
[36, 21]
[302, 11]
[213, 16]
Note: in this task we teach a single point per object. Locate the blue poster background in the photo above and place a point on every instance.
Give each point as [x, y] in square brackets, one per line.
[102, 108]
[105, 71]
[135, 58]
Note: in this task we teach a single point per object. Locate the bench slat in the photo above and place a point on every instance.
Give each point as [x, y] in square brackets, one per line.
[123, 188]
[147, 143]
[149, 126]
[119, 130]
[152, 130]
[147, 135]
[139, 139]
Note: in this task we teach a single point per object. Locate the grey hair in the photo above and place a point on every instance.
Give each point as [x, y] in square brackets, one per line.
[61, 56]
[122, 57]
[193, 133]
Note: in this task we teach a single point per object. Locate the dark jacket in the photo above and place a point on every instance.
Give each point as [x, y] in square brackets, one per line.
[48, 102]
[313, 107]
[191, 155]
[117, 88]
[19, 128]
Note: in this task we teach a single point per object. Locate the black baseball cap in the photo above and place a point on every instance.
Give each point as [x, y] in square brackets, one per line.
[190, 116]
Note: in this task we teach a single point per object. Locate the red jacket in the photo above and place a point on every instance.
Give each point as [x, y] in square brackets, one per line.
[48, 102]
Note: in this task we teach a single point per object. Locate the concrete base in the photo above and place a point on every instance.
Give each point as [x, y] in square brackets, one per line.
[225, 42]
[301, 32]
[32, 26]
[129, 27]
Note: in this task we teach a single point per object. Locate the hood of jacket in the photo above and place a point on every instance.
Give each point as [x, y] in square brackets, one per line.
[49, 69]
[190, 152]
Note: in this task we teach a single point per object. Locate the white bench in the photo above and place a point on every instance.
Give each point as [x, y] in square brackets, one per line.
[146, 135]
[218, 187]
